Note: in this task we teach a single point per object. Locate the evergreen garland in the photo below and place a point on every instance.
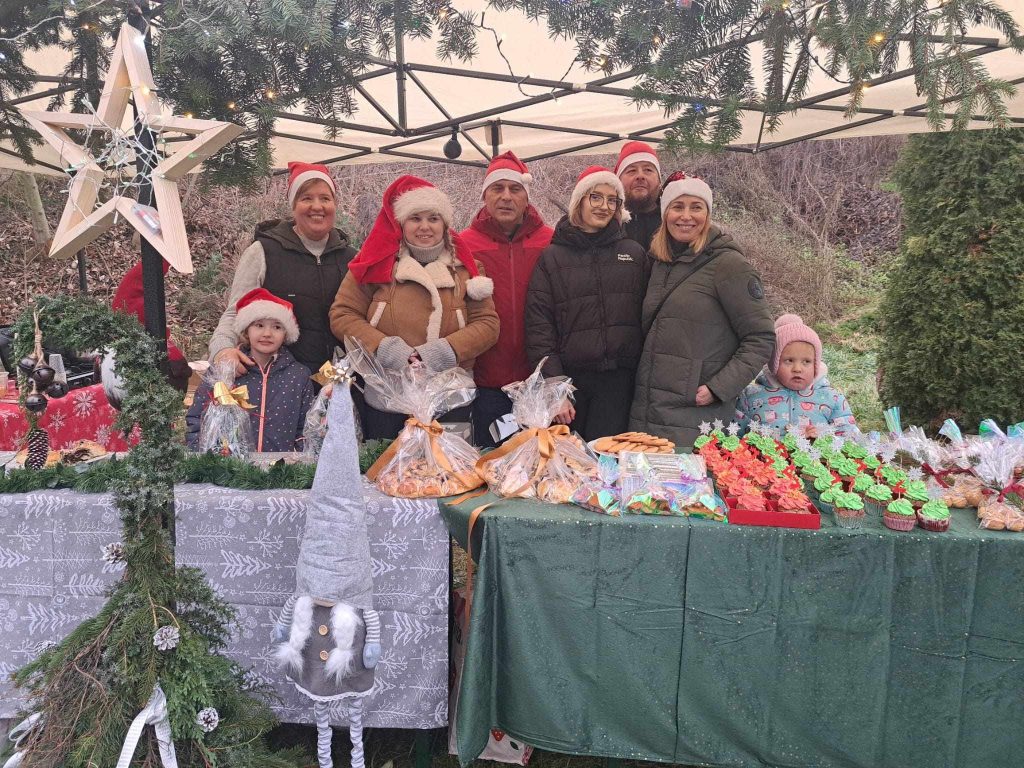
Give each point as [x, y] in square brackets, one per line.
[91, 685]
[203, 468]
[249, 60]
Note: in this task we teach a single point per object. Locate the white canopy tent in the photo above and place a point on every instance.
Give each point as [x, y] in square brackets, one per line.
[539, 106]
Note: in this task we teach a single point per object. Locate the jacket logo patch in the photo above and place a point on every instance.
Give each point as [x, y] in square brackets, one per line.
[625, 257]
[755, 289]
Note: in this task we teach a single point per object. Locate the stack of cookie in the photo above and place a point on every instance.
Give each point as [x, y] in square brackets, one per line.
[635, 442]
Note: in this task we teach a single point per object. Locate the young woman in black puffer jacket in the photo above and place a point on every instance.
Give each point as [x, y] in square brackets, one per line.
[583, 307]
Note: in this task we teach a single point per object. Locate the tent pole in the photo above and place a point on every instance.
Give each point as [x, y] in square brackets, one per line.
[403, 117]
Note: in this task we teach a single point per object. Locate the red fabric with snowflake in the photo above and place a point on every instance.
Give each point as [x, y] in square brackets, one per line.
[83, 414]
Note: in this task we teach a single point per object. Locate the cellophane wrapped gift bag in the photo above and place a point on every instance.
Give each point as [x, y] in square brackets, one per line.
[225, 428]
[542, 461]
[424, 461]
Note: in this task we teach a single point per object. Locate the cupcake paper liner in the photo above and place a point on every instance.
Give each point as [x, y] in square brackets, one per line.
[849, 518]
[938, 526]
[899, 522]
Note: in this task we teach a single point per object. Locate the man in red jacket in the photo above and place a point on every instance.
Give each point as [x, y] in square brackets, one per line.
[506, 236]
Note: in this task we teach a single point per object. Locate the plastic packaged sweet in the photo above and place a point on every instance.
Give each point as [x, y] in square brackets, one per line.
[224, 427]
[546, 462]
[424, 461]
[602, 494]
[668, 485]
[996, 461]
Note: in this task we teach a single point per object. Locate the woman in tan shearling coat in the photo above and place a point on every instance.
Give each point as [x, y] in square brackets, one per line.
[414, 291]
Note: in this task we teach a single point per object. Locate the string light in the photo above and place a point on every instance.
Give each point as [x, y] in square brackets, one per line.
[231, 105]
[878, 38]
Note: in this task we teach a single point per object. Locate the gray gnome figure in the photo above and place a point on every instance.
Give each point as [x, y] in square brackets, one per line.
[328, 634]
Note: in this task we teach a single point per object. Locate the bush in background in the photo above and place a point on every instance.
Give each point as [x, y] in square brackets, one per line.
[953, 315]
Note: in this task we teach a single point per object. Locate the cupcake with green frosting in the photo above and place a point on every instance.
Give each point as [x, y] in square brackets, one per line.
[892, 476]
[848, 509]
[916, 492]
[800, 459]
[855, 451]
[900, 515]
[701, 441]
[825, 443]
[861, 483]
[822, 484]
[827, 498]
[877, 497]
[789, 442]
[871, 463]
[730, 443]
[846, 468]
[813, 471]
[934, 516]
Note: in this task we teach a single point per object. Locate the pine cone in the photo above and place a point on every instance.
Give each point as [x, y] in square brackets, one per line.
[38, 449]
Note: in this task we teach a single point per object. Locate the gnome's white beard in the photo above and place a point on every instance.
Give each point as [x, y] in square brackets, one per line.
[344, 622]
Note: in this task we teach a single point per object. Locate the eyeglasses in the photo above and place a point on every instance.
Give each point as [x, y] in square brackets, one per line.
[599, 201]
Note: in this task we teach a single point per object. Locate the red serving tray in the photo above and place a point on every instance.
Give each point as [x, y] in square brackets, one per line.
[774, 519]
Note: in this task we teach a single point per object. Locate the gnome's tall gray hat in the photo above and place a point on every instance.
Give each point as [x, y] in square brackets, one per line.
[328, 631]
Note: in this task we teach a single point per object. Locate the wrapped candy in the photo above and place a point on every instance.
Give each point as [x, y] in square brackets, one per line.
[542, 461]
[224, 428]
[668, 485]
[602, 494]
[424, 461]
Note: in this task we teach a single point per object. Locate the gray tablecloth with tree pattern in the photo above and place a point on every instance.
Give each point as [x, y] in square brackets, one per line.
[52, 576]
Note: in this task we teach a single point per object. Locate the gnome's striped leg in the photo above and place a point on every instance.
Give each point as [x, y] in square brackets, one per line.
[355, 725]
[323, 734]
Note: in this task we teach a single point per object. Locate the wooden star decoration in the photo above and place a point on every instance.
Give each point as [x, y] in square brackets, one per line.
[129, 79]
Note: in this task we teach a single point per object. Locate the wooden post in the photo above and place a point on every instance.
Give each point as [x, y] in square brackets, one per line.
[40, 226]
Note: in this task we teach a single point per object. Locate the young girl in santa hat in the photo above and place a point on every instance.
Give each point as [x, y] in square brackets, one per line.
[279, 386]
[414, 292]
[583, 306]
[793, 389]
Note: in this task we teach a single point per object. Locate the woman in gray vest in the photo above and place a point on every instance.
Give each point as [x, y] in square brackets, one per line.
[709, 329]
[302, 260]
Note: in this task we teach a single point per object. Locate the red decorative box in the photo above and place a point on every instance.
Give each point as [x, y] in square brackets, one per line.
[773, 518]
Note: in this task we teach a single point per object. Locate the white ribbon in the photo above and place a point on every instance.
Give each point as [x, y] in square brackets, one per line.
[18, 735]
[155, 714]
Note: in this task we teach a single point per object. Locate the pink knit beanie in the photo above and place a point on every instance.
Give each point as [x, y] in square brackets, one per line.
[790, 328]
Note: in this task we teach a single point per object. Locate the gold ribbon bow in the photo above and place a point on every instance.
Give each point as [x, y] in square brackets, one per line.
[237, 396]
[434, 430]
[328, 373]
[545, 437]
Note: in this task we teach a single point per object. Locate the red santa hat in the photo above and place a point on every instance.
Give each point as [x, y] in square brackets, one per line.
[507, 167]
[590, 178]
[375, 262]
[681, 183]
[636, 152]
[300, 173]
[261, 304]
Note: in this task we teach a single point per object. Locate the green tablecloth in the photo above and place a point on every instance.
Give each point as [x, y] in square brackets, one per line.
[702, 643]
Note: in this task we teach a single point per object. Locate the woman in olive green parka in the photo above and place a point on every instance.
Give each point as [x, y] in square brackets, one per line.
[708, 327]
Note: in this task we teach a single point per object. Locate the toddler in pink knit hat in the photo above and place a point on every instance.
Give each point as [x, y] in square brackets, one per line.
[793, 389]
